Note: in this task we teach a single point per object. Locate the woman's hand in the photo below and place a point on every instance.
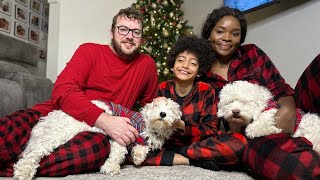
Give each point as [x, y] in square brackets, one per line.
[286, 115]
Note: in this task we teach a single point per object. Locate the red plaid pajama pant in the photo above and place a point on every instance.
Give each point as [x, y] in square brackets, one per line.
[86, 152]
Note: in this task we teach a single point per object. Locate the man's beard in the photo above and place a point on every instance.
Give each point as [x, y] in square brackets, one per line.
[117, 48]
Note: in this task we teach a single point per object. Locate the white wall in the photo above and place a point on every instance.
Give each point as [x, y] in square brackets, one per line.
[291, 39]
[42, 41]
[288, 31]
[73, 22]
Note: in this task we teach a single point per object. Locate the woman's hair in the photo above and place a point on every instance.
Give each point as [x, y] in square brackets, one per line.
[198, 47]
[130, 13]
[217, 14]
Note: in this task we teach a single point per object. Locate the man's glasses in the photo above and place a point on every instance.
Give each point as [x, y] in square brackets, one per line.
[123, 30]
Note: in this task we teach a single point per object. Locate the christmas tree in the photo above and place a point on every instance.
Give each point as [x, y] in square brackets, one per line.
[163, 24]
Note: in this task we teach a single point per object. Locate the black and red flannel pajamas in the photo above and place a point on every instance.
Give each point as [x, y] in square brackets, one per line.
[307, 90]
[86, 152]
[277, 156]
[201, 139]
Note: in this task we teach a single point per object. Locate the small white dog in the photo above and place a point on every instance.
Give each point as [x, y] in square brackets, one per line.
[57, 128]
[253, 105]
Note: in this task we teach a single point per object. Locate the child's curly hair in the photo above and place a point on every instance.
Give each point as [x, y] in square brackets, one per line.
[198, 47]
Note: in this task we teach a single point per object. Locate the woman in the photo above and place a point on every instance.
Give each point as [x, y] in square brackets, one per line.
[197, 141]
[226, 28]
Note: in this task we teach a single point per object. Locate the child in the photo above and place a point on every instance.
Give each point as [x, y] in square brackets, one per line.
[197, 141]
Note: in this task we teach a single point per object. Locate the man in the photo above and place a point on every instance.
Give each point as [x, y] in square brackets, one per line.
[114, 73]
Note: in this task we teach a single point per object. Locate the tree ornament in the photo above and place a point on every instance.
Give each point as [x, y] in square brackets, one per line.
[165, 3]
[166, 72]
[179, 26]
[154, 5]
[165, 45]
[165, 33]
[171, 14]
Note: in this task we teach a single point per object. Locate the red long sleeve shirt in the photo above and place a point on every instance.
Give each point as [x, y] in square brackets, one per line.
[96, 72]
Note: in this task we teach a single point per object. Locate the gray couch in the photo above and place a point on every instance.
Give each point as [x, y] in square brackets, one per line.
[20, 85]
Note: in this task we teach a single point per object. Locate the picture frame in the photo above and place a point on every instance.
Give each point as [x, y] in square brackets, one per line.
[5, 24]
[5, 7]
[34, 20]
[43, 54]
[21, 13]
[33, 35]
[23, 2]
[45, 10]
[35, 6]
[45, 25]
[20, 30]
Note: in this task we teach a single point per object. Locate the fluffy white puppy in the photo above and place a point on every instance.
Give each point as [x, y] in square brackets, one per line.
[57, 128]
[253, 105]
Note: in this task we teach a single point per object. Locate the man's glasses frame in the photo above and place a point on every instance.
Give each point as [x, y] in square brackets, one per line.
[123, 30]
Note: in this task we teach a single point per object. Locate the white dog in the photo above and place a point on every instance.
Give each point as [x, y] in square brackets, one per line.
[57, 128]
[254, 105]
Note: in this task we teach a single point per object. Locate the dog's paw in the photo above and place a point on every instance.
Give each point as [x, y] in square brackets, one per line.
[139, 154]
[111, 169]
[24, 170]
[257, 130]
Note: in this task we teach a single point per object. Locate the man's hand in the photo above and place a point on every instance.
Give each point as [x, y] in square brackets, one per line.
[118, 128]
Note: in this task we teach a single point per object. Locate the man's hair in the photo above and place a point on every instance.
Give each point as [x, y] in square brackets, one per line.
[130, 13]
[219, 13]
[198, 47]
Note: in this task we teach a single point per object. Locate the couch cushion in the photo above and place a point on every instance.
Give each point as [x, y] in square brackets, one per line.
[11, 98]
[16, 50]
[35, 89]
[11, 67]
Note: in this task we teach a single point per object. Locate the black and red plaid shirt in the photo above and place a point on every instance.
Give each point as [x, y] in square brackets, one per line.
[198, 111]
[251, 64]
[307, 90]
[276, 156]
[201, 139]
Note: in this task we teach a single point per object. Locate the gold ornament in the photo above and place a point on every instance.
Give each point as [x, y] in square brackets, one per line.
[166, 72]
[165, 45]
[165, 33]
[154, 5]
[179, 26]
[158, 65]
[171, 14]
[165, 3]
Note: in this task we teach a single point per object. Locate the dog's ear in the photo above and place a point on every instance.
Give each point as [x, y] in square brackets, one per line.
[147, 108]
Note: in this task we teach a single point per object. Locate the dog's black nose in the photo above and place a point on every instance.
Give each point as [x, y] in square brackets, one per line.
[163, 114]
[236, 112]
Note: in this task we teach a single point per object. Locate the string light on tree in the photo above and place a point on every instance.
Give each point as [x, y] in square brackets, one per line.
[163, 24]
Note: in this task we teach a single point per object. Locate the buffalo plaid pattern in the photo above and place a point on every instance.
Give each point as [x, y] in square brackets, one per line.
[86, 152]
[280, 156]
[277, 156]
[201, 139]
[251, 64]
[307, 90]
